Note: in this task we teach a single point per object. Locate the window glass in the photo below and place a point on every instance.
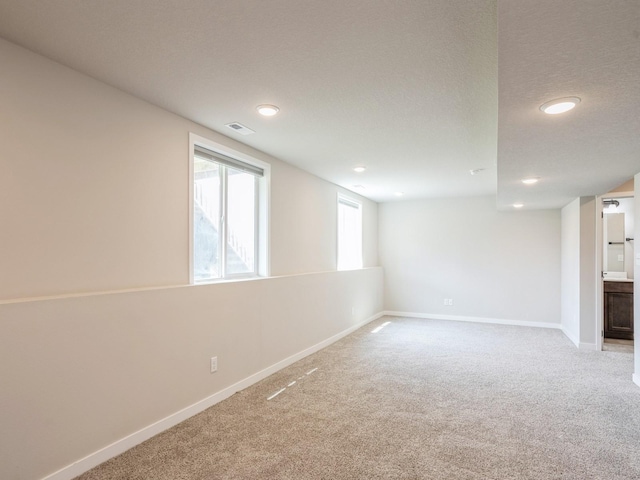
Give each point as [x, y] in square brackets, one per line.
[349, 234]
[241, 222]
[227, 212]
[206, 221]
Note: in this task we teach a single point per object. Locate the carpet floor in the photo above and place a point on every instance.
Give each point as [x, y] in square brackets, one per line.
[418, 399]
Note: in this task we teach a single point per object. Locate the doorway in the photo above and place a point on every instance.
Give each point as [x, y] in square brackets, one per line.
[616, 261]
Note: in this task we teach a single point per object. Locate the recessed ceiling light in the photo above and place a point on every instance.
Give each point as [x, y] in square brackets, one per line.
[559, 105]
[530, 180]
[267, 110]
[518, 205]
[476, 171]
[359, 169]
[399, 194]
[359, 187]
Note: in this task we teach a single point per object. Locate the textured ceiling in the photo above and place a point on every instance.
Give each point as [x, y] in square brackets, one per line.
[550, 49]
[407, 88]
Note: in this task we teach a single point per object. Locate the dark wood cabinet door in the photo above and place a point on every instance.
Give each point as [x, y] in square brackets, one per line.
[618, 315]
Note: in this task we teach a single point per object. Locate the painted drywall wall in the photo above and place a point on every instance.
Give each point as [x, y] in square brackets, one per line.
[94, 191]
[579, 276]
[588, 274]
[495, 265]
[628, 208]
[94, 198]
[81, 373]
[304, 218]
[627, 186]
[570, 271]
[636, 290]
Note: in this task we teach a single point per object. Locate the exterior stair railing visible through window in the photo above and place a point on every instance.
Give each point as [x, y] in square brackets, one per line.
[241, 251]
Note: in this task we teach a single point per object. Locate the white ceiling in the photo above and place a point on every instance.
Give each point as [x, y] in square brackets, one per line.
[420, 92]
[550, 49]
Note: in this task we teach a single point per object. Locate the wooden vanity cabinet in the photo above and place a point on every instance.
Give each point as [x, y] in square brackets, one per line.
[618, 310]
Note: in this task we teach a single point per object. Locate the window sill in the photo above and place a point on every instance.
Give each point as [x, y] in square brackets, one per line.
[239, 278]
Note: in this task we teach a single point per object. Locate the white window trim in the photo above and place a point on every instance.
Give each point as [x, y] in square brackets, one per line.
[348, 199]
[264, 195]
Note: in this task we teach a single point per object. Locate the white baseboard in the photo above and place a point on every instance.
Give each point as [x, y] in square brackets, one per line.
[96, 458]
[462, 318]
[636, 379]
[574, 340]
[500, 321]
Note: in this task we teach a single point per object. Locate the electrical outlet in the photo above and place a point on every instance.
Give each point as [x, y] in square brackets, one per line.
[451, 302]
[214, 364]
[446, 301]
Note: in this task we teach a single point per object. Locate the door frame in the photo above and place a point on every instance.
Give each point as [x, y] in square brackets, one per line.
[599, 262]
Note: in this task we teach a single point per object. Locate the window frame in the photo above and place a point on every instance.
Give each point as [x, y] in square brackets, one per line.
[261, 222]
[347, 200]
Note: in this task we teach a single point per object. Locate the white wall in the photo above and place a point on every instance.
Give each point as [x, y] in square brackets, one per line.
[304, 219]
[570, 271]
[627, 207]
[588, 274]
[94, 198]
[579, 276]
[636, 290]
[94, 191]
[495, 265]
[81, 373]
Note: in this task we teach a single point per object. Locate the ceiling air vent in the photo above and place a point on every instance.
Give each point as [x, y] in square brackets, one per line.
[239, 128]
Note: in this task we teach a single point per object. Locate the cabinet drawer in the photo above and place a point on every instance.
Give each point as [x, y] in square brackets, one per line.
[618, 287]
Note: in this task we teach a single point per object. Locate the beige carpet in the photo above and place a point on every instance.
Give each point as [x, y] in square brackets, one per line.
[419, 399]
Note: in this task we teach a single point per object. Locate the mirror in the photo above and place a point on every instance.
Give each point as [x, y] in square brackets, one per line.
[614, 239]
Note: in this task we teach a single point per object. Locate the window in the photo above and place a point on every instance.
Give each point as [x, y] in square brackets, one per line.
[228, 224]
[349, 233]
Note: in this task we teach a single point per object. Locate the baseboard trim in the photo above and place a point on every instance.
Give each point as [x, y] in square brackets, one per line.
[462, 318]
[573, 339]
[499, 321]
[636, 379]
[579, 345]
[96, 458]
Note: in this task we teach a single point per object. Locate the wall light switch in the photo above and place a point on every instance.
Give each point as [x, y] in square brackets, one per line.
[621, 258]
